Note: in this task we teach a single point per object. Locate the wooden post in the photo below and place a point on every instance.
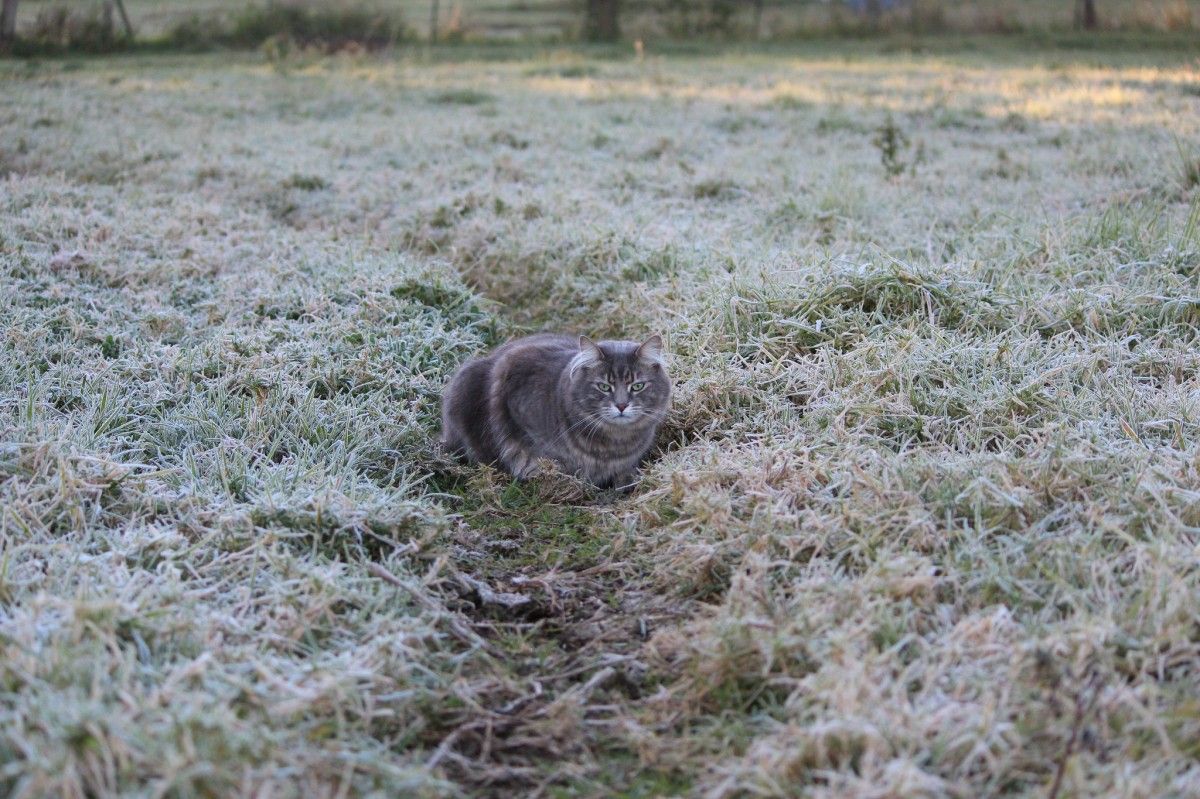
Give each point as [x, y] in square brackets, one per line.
[1086, 16]
[8, 21]
[124, 18]
[433, 20]
[1090, 20]
[601, 24]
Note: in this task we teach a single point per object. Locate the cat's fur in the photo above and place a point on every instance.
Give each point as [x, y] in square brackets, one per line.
[545, 396]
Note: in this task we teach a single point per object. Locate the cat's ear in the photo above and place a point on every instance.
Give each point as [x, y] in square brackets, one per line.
[651, 350]
[589, 347]
[589, 355]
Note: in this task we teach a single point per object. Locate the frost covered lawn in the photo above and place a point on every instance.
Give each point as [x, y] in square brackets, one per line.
[925, 520]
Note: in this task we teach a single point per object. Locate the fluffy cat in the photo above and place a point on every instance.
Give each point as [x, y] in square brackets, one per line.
[594, 408]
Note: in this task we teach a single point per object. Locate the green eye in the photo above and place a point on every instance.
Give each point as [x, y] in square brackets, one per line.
[605, 387]
[638, 386]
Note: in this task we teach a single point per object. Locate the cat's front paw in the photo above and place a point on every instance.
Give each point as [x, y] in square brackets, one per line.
[625, 483]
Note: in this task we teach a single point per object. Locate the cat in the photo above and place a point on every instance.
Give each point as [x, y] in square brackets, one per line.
[593, 408]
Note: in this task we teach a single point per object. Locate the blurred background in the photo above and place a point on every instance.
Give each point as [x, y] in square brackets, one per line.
[47, 25]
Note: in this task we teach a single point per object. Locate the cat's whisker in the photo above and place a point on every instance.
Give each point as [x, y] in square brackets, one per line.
[595, 415]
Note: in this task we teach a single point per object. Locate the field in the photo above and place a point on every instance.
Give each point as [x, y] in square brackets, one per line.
[924, 521]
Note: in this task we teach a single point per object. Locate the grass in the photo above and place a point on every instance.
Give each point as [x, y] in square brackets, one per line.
[923, 520]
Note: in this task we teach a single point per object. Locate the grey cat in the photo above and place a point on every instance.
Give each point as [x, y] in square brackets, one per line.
[592, 408]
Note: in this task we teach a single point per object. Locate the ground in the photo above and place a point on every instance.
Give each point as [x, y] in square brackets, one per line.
[924, 520]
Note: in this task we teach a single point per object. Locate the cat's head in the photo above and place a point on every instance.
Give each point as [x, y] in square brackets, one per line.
[620, 383]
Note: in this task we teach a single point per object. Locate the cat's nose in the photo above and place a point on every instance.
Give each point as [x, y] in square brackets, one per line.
[621, 406]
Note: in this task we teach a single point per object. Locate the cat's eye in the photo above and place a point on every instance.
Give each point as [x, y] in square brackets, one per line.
[638, 386]
[605, 387]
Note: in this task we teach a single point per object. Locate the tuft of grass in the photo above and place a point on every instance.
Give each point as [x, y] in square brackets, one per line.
[569, 71]
[839, 122]
[306, 182]
[1189, 166]
[714, 189]
[462, 97]
[891, 142]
